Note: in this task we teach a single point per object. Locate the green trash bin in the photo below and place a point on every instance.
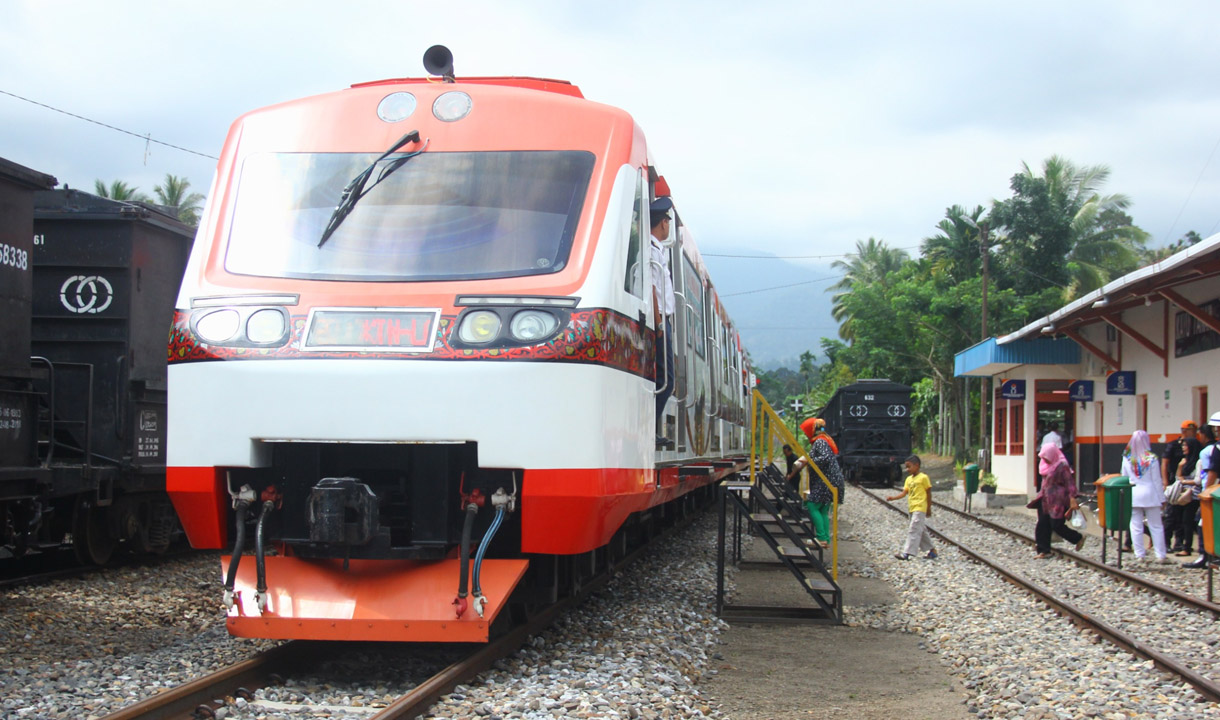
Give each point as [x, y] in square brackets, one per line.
[972, 478]
[1117, 491]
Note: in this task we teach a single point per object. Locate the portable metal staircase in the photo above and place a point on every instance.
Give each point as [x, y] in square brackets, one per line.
[771, 510]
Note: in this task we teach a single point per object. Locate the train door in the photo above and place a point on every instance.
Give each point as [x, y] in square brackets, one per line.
[695, 349]
[669, 425]
[636, 280]
[716, 358]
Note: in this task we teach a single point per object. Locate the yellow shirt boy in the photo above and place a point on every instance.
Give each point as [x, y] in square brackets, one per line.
[917, 487]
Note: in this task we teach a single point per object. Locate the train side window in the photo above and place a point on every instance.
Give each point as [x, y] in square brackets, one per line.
[693, 288]
[633, 282]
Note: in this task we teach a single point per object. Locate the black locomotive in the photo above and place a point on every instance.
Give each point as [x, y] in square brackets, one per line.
[87, 289]
[870, 421]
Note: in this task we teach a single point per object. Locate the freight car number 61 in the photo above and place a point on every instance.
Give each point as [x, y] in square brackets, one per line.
[14, 257]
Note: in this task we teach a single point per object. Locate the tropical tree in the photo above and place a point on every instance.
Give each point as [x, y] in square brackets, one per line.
[808, 369]
[173, 193]
[1152, 255]
[1060, 232]
[118, 190]
[955, 252]
[871, 264]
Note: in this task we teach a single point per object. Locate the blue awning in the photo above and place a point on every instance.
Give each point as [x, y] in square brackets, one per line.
[989, 358]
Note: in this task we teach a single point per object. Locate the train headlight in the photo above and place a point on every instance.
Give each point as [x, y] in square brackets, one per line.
[266, 326]
[396, 106]
[532, 325]
[218, 327]
[479, 327]
[452, 106]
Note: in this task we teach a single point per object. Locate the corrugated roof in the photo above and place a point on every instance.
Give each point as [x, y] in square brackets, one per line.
[989, 358]
[1195, 263]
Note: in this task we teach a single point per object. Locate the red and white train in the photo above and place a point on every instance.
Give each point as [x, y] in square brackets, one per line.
[412, 360]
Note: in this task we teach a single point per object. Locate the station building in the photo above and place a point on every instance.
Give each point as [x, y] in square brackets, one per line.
[1141, 353]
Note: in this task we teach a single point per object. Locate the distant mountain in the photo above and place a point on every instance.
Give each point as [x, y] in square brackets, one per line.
[783, 308]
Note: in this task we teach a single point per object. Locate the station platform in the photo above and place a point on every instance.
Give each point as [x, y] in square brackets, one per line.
[809, 670]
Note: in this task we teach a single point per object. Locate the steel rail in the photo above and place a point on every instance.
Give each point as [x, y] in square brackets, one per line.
[1174, 594]
[197, 698]
[1206, 687]
[37, 576]
[418, 700]
[183, 700]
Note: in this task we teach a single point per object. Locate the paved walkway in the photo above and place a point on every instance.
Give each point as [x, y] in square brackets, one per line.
[789, 671]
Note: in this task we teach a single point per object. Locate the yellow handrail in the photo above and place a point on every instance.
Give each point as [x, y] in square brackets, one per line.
[767, 424]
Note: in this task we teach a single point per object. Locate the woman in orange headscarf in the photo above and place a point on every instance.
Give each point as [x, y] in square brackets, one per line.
[815, 428]
[823, 452]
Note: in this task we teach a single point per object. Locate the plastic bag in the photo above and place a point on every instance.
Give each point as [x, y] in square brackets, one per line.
[1077, 519]
[1178, 494]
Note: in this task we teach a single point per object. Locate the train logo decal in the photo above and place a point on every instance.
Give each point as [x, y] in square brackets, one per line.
[858, 411]
[148, 421]
[897, 411]
[92, 294]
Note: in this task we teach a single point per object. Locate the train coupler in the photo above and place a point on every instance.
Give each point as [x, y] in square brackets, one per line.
[480, 602]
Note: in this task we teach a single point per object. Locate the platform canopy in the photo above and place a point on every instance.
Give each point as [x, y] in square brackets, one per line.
[990, 358]
[1045, 340]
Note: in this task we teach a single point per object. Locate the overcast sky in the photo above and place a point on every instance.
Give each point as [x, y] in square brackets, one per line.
[792, 128]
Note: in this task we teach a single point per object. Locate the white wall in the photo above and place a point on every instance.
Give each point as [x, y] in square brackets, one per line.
[1170, 399]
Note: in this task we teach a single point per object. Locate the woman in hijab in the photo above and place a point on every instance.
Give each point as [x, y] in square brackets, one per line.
[820, 501]
[1055, 500]
[1143, 469]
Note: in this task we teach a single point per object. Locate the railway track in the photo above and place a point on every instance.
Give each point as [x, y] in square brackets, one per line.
[1107, 623]
[61, 564]
[1130, 578]
[202, 698]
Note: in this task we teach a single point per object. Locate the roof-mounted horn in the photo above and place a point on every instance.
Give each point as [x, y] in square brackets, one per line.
[439, 61]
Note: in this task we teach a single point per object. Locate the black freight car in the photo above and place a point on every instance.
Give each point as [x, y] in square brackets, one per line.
[870, 421]
[105, 276]
[21, 476]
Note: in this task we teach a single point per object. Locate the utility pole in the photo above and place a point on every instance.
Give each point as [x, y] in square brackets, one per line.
[984, 383]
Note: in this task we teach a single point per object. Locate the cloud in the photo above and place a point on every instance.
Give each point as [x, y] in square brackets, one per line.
[779, 125]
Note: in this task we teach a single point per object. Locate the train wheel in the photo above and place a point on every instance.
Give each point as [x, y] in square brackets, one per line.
[91, 538]
[147, 525]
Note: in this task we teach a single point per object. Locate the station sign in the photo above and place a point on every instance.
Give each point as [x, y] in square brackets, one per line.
[1121, 382]
[1013, 390]
[1081, 391]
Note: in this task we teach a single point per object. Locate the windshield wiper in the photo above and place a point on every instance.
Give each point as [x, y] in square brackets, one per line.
[356, 190]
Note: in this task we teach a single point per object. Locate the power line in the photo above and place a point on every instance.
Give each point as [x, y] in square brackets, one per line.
[794, 257]
[145, 138]
[1190, 194]
[781, 287]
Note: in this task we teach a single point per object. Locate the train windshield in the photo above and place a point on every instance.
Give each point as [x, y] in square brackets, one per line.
[441, 216]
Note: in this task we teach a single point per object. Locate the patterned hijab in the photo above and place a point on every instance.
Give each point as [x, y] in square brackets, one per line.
[1049, 458]
[1139, 452]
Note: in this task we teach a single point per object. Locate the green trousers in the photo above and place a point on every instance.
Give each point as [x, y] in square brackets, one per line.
[819, 513]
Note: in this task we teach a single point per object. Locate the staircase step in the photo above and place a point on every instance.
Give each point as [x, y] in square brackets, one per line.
[769, 519]
[821, 585]
[796, 552]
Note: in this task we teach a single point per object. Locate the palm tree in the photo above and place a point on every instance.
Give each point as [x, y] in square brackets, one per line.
[1106, 245]
[872, 262]
[118, 190]
[955, 252]
[1062, 231]
[174, 194]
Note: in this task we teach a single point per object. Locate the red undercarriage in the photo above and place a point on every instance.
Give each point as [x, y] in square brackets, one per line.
[564, 512]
